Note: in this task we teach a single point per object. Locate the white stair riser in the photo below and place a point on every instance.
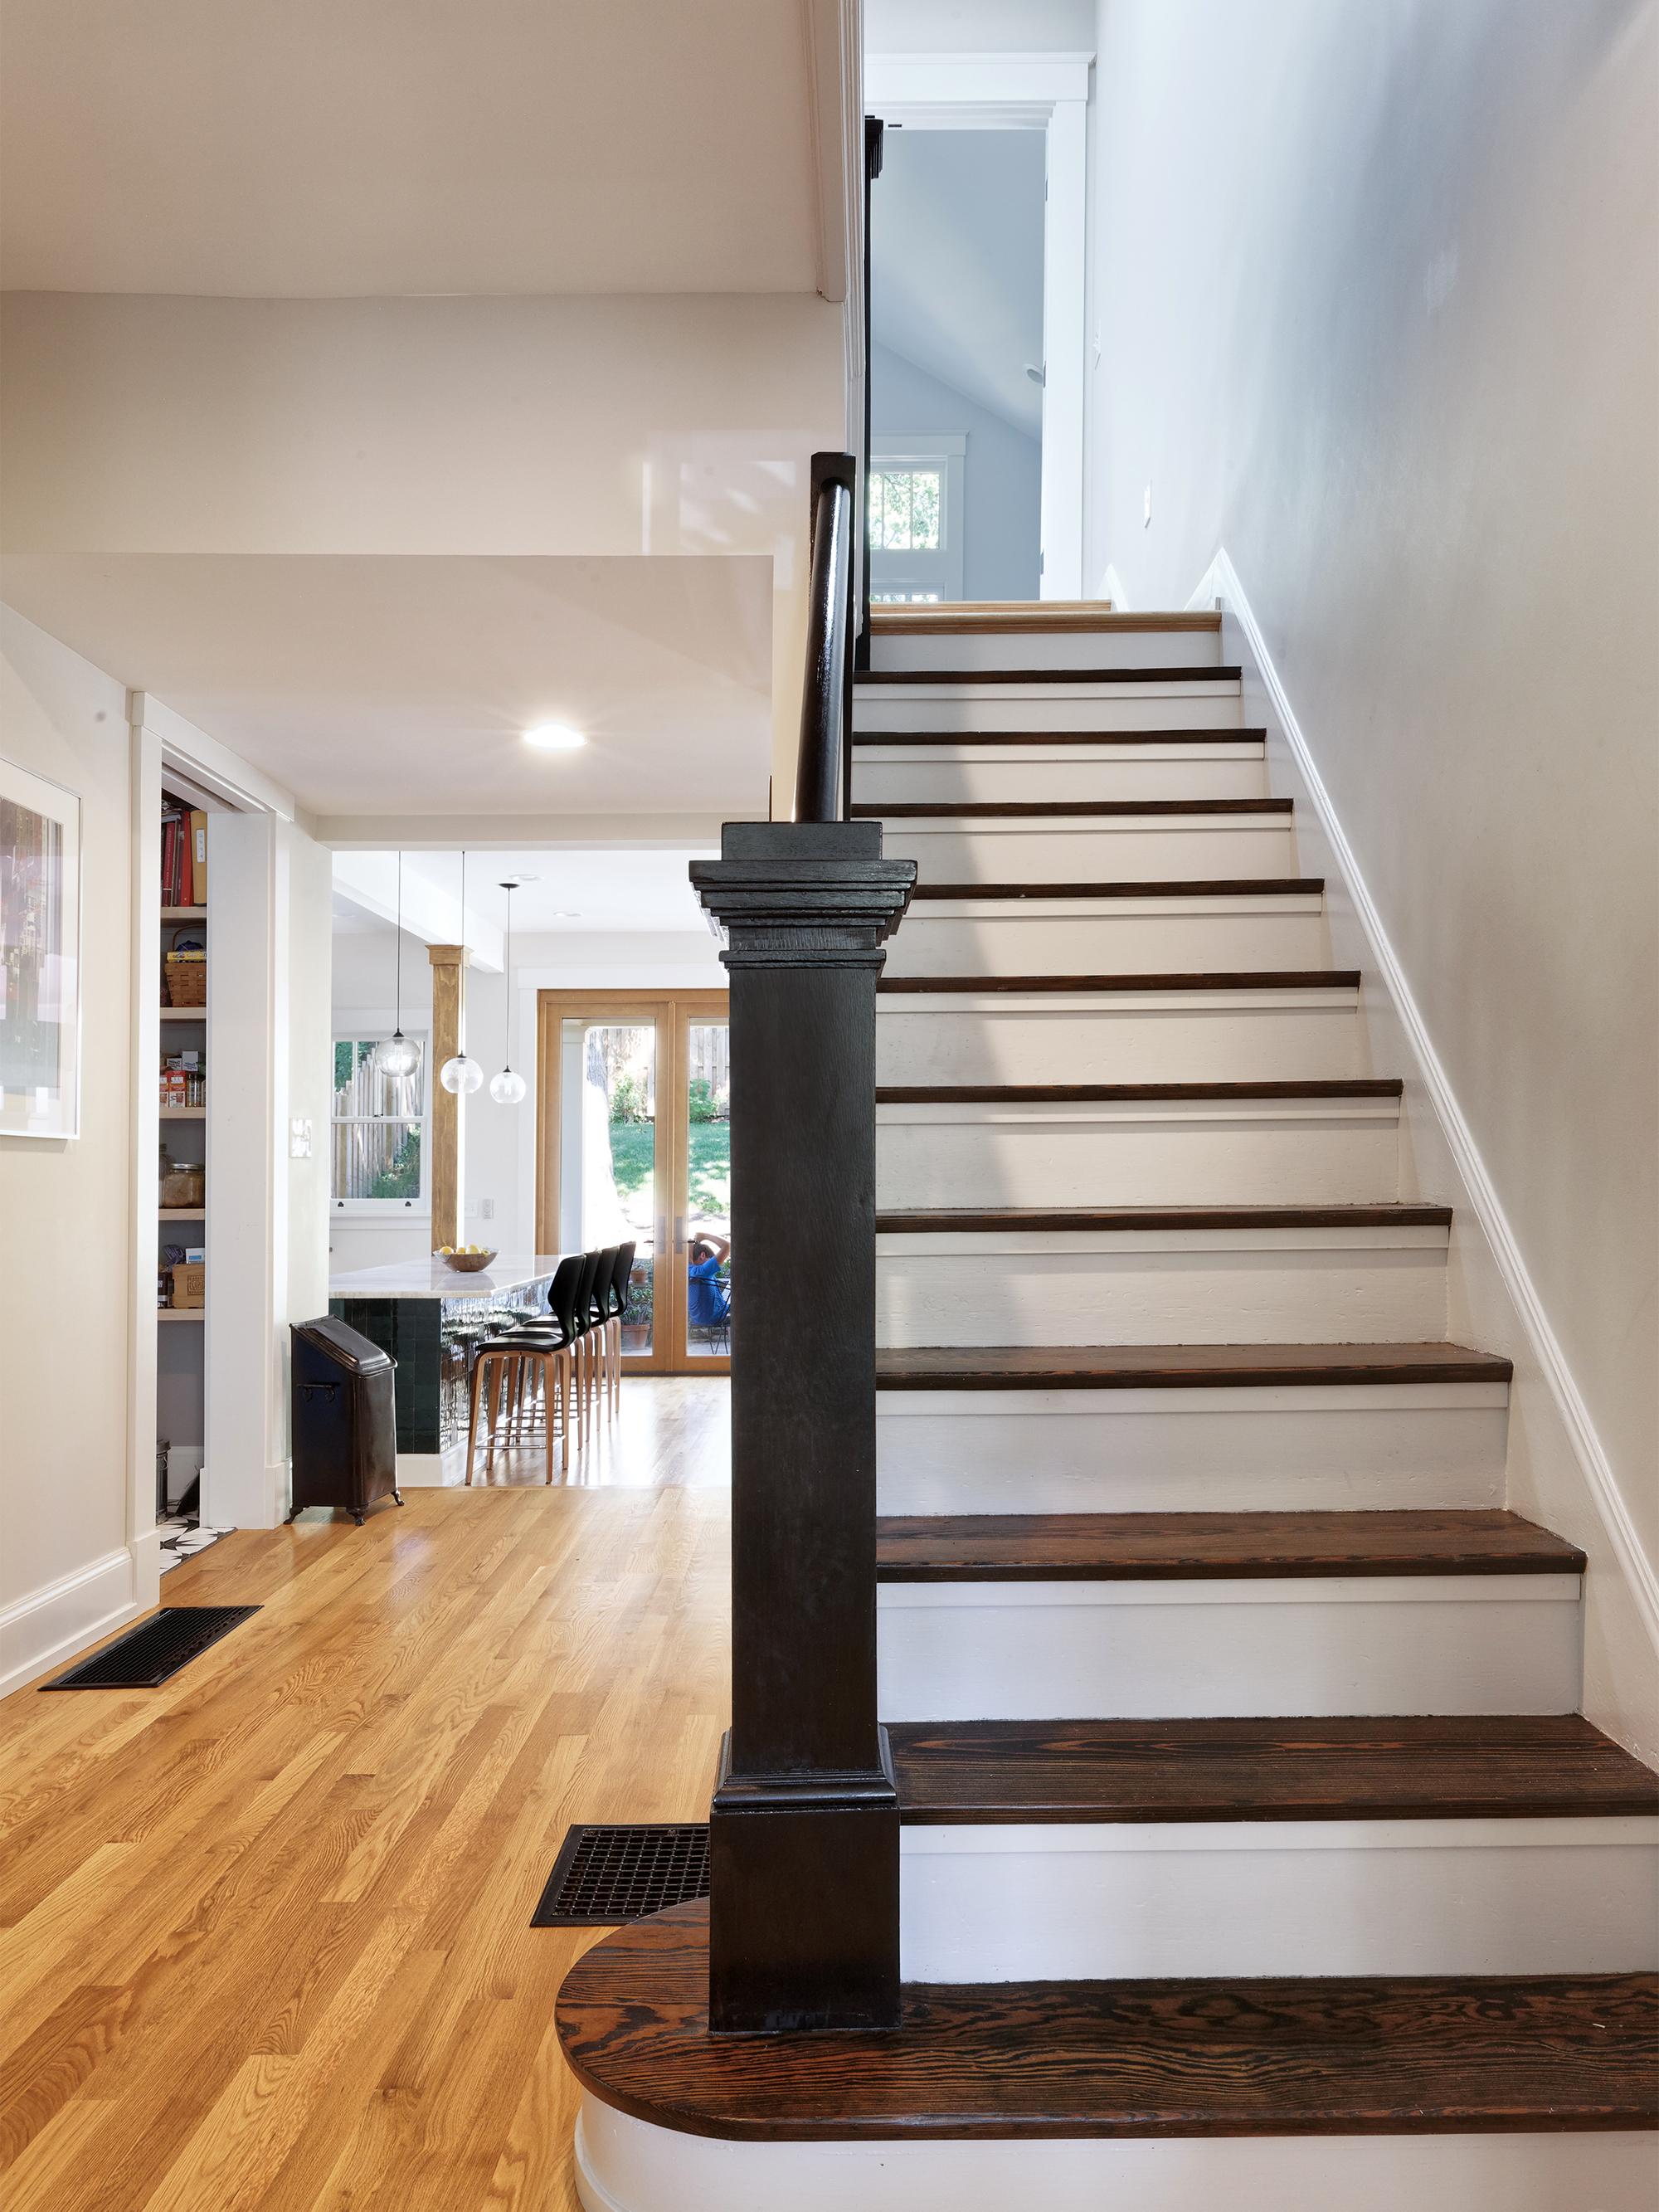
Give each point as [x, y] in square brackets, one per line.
[1052, 1902]
[1137, 850]
[1137, 1037]
[1260, 1154]
[1200, 705]
[1109, 936]
[1266, 1286]
[1314, 1645]
[1078, 649]
[1228, 768]
[1316, 1448]
[625, 2165]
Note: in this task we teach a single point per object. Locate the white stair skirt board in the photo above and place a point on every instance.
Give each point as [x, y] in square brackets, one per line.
[1091, 1900]
[625, 2165]
[1267, 1151]
[1073, 648]
[1151, 935]
[1127, 1037]
[1192, 1650]
[1016, 1286]
[1193, 703]
[1315, 1448]
[1057, 849]
[1227, 767]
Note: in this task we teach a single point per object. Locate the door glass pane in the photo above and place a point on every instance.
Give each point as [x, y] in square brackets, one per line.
[709, 1190]
[608, 1153]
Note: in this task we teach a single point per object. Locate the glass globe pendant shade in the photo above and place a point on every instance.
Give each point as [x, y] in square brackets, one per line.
[397, 1056]
[507, 1088]
[462, 1075]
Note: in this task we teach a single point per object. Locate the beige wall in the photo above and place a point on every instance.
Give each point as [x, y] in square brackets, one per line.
[666, 424]
[1376, 291]
[64, 1214]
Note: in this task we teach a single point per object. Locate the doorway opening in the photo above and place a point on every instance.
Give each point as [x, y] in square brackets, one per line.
[634, 1144]
[977, 282]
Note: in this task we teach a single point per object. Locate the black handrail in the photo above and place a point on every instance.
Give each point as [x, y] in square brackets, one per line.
[826, 705]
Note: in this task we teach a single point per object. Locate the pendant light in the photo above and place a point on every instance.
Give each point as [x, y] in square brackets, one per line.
[507, 1088]
[461, 1073]
[397, 1057]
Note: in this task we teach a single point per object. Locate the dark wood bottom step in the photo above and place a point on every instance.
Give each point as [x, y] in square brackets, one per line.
[1004, 1547]
[1257, 736]
[1293, 979]
[932, 1221]
[1366, 2056]
[1443, 1768]
[1180, 1366]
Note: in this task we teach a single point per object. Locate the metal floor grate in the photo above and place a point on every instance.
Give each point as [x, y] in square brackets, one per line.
[146, 1655]
[604, 1876]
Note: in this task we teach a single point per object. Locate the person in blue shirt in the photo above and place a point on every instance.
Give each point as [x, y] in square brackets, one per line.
[708, 1302]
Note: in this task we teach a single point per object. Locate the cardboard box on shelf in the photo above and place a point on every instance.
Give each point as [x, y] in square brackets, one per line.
[189, 1284]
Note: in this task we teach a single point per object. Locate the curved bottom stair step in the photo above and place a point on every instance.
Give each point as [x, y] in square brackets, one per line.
[1087, 2061]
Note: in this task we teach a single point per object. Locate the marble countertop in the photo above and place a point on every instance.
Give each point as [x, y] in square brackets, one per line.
[435, 1279]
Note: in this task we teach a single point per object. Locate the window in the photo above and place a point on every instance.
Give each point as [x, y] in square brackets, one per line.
[915, 507]
[379, 1133]
[904, 509]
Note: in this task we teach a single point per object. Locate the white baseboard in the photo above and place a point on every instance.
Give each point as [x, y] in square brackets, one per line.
[49, 1624]
[1221, 587]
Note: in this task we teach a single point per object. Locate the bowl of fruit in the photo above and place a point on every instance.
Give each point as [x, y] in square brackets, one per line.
[466, 1259]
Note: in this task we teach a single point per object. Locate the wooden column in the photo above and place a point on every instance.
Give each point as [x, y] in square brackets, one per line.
[804, 1826]
[446, 1124]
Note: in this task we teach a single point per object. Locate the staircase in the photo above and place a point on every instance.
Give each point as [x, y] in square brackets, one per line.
[1254, 1849]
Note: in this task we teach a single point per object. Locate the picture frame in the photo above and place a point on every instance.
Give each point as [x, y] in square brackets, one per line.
[39, 955]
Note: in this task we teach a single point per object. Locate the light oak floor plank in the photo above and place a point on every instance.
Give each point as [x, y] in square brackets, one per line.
[264, 1935]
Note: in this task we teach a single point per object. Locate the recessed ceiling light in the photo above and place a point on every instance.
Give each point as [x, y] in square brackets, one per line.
[555, 738]
[565, 913]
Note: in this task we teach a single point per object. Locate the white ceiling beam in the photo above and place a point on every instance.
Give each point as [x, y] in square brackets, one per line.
[369, 880]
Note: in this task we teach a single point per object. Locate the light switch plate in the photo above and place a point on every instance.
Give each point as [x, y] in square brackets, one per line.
[299, 1137]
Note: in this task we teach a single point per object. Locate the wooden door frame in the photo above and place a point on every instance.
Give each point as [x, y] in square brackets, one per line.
[672, 1012]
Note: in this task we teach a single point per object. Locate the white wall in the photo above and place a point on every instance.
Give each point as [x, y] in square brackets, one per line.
[65, 1207]
[594, 425]
[1010, 27]
[1003, 475]
[1376, 289]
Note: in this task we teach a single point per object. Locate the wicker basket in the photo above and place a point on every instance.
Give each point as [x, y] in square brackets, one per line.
[187, 981]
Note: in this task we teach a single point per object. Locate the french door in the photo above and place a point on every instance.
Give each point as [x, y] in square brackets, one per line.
[634, 1142]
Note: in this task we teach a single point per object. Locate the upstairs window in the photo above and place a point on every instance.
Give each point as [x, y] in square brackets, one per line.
[915, 509]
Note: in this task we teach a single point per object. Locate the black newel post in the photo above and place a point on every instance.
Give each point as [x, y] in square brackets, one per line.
[803, 1827]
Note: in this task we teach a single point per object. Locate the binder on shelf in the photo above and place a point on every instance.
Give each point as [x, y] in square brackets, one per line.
[198, 857]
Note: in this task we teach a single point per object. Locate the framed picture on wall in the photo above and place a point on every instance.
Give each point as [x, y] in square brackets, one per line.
[39, 957]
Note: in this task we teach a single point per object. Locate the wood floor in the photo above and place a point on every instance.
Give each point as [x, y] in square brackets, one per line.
[264, 1935]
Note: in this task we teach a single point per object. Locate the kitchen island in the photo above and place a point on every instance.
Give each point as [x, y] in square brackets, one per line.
[424, 1313]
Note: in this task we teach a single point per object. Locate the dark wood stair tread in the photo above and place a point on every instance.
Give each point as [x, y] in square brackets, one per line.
[1180, 1367]
[1266, 979]
[1003, 1547]
[1198, 887]
[1257, 737]
[1019, 809]
[966, 1221]
[1342, 2055]
[1175, 675]
[1097, 1094]
[1459, 1766]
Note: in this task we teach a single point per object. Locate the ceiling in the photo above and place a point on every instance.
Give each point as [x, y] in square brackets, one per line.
[365, 148]
[956, 262]
[636, 889]
[383, 685]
